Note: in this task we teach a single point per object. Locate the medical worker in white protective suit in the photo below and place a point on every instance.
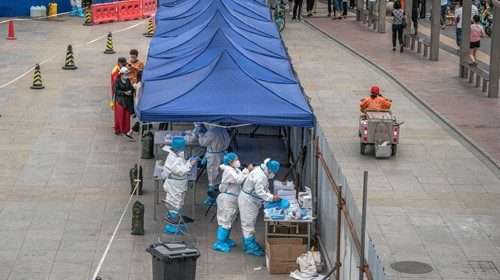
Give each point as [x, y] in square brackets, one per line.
[227, 201]
[255, 190]
[216, 140]
[76, 8]
[176, 169]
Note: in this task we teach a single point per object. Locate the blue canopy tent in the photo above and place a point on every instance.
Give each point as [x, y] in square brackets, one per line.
[209, 63]
[197, 14]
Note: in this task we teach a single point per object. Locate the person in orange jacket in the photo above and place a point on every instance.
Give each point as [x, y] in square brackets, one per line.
[374, 101]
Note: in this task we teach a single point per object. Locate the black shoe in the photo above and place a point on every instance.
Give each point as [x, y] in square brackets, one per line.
[394, 48]
[329, 15]
[129, 137]
[401, 49]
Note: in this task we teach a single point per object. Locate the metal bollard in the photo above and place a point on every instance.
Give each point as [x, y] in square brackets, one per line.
[136, 173]
[148, 145]
[137, 218]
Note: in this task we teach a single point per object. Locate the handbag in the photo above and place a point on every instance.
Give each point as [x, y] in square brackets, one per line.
[404, 22]
[111, 105]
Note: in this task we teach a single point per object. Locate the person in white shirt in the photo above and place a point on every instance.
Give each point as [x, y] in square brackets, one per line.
[458, 20]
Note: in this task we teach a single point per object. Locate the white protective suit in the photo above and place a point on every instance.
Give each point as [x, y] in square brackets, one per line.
[175, 169]
[255, 190]
[227, 201]
[76, 3]
[216, 140]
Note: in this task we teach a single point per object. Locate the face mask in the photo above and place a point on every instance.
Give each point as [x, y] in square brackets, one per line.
[180, 154]
[124, 77]
[373, 95]
[270, 175]
[133, 60]
[237, 164]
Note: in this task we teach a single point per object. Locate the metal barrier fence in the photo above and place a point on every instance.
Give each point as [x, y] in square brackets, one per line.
[340, 249]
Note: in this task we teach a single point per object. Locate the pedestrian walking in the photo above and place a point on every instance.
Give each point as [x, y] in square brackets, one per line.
[344, 8]
[414, 15]
[444, 7]
[458, 20]
[309, 7]
[476, 32]
[398, 24]
[329, 3]
[297, 10]
[337, 9]
[423, 8]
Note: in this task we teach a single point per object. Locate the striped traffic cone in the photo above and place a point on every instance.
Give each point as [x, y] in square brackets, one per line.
[37, 79]
[88, 18]
[150, 32]
[109, 44]
[70, 61]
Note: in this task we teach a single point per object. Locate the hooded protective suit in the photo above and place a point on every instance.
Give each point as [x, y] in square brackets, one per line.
[216, 140]
[227, 204]
[227, 201]
[255, 190]
[175, 169]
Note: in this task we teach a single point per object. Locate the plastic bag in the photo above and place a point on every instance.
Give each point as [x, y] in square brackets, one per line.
[307, 266]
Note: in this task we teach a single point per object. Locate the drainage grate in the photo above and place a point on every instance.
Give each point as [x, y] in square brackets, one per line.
[484, 269]
[411, 267]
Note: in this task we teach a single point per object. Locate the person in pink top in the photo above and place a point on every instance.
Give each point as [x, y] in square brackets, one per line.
[476, 32]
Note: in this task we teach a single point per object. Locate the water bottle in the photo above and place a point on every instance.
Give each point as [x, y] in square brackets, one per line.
[43, 11]
[33, 11]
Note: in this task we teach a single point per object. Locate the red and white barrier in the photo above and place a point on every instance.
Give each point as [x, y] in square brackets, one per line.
[129, 10]
[148, 8]
[105, 12]
[123, 10]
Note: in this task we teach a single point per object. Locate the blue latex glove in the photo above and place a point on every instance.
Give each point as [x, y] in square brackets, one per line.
[283, 204]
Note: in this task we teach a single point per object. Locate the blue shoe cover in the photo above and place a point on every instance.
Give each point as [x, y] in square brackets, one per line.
[173, 229]
[251, 247]
[230, 242]
[243, 247]
[222, 235]
[74, 11]
[203, 161]
[80, 12]
[221, 246]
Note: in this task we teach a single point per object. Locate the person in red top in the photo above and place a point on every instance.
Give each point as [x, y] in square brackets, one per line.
[374, 101]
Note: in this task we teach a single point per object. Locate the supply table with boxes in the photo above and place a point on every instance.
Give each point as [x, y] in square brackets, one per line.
[287, 230]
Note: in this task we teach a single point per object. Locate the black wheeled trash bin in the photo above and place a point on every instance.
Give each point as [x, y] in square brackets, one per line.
[173, 261]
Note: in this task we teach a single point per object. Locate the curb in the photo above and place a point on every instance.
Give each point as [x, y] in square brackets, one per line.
[471, 145]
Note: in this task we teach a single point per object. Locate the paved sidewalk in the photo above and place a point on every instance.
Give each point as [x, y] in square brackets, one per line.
[434, 202]
[437, 83]
[64, 179]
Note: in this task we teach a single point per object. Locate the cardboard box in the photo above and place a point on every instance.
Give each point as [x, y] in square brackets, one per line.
[282, 253]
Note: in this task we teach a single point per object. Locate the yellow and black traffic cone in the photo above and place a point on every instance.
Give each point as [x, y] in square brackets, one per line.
[88, 17]
[109, 44]
[150, 32]
[37, 79]
[70, 60]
